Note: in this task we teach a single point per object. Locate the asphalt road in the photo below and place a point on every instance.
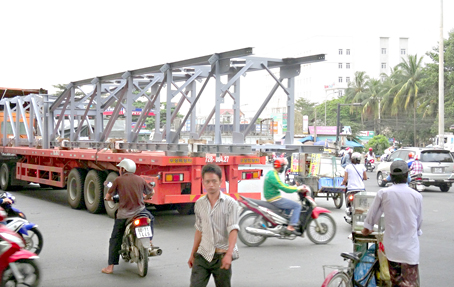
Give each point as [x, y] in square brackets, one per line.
[76, 242]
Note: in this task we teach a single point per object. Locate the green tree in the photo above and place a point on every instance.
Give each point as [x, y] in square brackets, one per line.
[60, 88]
[378, 143]
[407, 96]
[371, 99]
[429, 98]
[150, 120]
[357, 87]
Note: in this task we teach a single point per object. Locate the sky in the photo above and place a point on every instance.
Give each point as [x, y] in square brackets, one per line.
[45, 43]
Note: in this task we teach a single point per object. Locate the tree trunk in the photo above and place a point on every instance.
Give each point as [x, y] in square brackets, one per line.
[375, 130]
[414, 123]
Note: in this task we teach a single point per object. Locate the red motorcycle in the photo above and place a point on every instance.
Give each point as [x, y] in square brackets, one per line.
[260, 220]
[18, 266]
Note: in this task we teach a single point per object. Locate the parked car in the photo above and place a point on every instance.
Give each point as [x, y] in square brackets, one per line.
[438, 166]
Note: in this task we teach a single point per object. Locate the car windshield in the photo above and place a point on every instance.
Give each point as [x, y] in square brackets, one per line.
[436, 156]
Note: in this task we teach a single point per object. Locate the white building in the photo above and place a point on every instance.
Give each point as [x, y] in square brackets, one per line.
[319, 82]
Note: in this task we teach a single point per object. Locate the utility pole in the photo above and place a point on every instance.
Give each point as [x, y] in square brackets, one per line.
[441, 84]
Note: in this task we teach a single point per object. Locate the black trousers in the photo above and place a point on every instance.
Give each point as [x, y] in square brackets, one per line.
[117, 237]
[202, 270]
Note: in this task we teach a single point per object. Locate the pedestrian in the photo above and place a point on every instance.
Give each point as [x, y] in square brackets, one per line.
[131, 189]
[346, 159]
[216, 223]
[402, 207]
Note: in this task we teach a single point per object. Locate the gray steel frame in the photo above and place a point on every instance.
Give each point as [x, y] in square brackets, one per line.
[119, 91]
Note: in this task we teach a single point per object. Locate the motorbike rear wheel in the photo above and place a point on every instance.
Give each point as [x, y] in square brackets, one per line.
[142, 263]
[325, 233]
[28, 268]
[255, 221]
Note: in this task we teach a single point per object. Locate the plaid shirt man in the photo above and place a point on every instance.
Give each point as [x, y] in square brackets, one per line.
[416, 167]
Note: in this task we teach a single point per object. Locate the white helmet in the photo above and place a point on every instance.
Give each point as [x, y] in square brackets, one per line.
[128, 164]
[356, 156]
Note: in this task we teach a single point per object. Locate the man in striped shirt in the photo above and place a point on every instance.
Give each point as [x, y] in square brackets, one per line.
[216, 223]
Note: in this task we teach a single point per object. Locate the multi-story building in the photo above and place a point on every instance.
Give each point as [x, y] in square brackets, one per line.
[324, 81]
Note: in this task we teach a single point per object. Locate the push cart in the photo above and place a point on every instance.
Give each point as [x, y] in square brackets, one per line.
[329, 187]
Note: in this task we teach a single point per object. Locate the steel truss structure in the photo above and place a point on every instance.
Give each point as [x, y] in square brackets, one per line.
[185, 79]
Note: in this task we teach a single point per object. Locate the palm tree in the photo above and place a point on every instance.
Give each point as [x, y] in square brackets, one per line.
[372, 97]
[356, 89]
[391, 85]
[412, 73]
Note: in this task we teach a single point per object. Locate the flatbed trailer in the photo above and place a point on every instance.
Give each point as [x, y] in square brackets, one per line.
[34, 148]
[83, 172]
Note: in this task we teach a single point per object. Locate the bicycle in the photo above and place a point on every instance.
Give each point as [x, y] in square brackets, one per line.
[345, 276]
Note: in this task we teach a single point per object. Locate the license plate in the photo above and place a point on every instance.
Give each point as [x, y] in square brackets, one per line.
[438, 170]
[144, 231]
[291, 176]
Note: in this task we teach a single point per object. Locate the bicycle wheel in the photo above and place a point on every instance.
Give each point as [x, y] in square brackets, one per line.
[340, 279]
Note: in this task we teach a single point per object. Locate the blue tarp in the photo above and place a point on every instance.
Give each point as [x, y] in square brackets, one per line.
[323, 142]
[353, 144]
[308, 138]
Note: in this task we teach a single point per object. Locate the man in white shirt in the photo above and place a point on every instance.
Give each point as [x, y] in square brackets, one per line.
[402, 207]
[216, 223]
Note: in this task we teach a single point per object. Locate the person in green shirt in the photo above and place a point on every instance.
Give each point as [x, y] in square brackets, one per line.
[271, 191]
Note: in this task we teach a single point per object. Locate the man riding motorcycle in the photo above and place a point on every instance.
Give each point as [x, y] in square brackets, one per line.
[271, 192]
[131, 189]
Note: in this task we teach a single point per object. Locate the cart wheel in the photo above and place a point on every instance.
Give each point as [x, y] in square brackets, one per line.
[338, 200]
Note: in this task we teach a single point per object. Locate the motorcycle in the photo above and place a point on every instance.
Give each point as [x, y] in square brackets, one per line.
[21, 268]
[370, 164]
[260, 220]
[17, 222]
[289, 177]
[416, 182]
[135, 246]
[349, 198]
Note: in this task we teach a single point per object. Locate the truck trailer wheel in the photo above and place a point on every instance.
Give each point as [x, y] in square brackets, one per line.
[5, 177]
[185, 208]
[94, 191]
[111, 207]
[75, 188]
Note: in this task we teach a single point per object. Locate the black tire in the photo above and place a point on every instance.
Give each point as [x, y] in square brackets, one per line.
[340, 279]
[327, 231]
[338, 199]
[251, 220]
[75, 188]
[110, 206]
[380, 180]
[34, 240]
[444, 187]
[142, 264]
[5, 177]
[94, 191]
[28, 268]
[185, 208]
